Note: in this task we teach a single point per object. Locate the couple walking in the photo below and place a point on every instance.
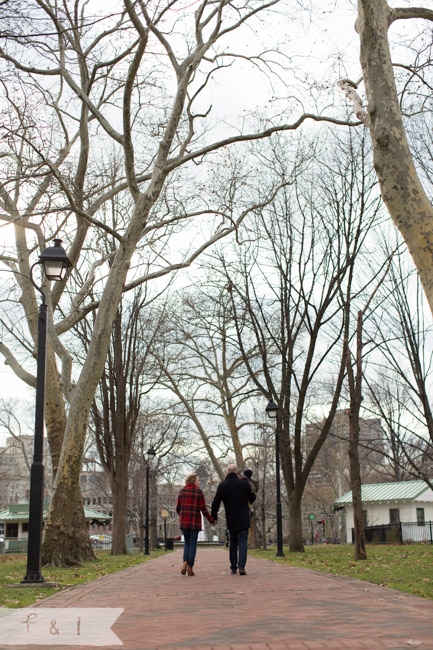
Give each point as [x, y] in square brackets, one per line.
[236, 495]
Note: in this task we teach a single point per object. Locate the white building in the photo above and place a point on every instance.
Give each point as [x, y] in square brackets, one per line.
[408, 502]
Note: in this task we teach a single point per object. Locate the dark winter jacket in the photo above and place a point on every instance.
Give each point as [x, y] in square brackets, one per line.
[235, 494]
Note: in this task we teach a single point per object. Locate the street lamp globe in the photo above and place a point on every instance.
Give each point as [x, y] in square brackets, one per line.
[151, 453]
[55, 262]
[272, 409]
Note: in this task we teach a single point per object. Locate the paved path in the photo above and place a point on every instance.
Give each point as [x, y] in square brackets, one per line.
[273, 607]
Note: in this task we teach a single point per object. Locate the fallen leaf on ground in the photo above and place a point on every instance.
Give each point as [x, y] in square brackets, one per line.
[413, 642]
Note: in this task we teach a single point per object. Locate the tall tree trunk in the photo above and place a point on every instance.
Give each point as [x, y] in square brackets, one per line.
[55, 412]
[355, 391]
[253, 540]
[263, 522]
[355, 481]
[55, 422]
[402, 191]
[296, 541]
[119, 489]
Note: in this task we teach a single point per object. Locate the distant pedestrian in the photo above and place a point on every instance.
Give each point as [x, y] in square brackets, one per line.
[190, 503]
[236, 495]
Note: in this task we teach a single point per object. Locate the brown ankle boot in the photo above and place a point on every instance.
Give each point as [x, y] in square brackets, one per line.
[190, 571]
[184, 567]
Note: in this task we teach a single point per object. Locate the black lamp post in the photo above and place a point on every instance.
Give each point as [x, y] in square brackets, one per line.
[272, 411]
[55, 264]
[150, 456]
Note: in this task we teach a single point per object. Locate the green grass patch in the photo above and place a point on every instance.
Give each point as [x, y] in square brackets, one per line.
[13, 569]
[407, 568]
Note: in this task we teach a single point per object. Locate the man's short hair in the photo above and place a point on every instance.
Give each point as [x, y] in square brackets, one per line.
[232, 468]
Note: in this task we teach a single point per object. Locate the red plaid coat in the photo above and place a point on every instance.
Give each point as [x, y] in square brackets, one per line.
[190, 502]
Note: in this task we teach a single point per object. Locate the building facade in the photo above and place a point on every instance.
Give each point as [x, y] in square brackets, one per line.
[405, 502]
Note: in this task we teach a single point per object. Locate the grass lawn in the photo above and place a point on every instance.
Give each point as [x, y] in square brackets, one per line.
[13, 569]
[407, 568]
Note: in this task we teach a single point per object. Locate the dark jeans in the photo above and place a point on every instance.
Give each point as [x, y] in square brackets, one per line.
[190, 545]
[238, 538]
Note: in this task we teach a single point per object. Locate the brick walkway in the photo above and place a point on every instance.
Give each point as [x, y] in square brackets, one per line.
[274, 607]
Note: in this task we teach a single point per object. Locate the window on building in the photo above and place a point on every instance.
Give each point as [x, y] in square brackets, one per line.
[394, 516]
[420, 517]
[11, 530]
[25, 527]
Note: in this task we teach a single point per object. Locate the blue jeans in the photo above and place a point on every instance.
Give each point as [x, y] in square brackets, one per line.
[190, 536]
[238, 539]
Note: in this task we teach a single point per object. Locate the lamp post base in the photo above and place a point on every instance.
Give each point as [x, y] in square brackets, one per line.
[33, 578]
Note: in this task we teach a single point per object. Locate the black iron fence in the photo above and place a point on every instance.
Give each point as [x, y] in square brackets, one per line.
[401, 533]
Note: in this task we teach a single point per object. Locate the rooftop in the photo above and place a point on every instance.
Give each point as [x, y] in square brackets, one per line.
[376, 492]
[20, 512]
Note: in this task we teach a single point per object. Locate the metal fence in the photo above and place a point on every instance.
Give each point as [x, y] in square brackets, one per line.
[13, 545]
[401, 533]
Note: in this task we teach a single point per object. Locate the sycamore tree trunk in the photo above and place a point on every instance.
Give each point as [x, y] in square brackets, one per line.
[59, 546]
[400, 185]
[55, 423]
[55, 412]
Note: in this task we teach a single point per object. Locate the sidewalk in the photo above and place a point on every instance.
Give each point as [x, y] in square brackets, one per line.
[273, 607]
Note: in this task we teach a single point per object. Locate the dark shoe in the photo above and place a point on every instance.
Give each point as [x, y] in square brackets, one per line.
[184, 567]
[242, 572]
[233, 572]
[190, 571]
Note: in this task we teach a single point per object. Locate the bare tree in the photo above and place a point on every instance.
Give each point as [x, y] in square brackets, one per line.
[404, 332]
[354, 379]
[115, 411]
[292, 294]
[389, 399]
[203, 369]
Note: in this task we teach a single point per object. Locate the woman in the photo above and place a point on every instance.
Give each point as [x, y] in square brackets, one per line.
[190, 503]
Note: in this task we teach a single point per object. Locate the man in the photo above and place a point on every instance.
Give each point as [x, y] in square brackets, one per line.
[236, 494]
